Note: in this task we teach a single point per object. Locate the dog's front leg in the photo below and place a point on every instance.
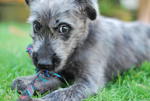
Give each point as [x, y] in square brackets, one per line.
[80, 90]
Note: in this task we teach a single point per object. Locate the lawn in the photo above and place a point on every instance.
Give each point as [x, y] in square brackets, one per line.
[133, 85]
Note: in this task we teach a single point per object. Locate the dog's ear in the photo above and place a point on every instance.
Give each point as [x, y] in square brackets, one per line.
[88, 8]
[90, 12]
[28, 2]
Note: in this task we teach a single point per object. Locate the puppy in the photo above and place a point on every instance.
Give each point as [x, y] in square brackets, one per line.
[71, 38]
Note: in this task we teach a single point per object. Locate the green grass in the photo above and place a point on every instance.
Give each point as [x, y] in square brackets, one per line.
[134, 85]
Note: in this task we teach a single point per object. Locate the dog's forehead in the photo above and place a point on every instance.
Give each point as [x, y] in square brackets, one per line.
[50, 8]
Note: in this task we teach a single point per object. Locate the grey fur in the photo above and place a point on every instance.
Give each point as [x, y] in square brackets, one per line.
[95, 51]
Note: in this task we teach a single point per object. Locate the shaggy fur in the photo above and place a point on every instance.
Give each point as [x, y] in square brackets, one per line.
[94, 50]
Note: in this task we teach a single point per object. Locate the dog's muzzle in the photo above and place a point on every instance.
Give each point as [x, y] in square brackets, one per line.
[44, 61]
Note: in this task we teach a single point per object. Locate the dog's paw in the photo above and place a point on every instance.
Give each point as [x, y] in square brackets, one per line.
[21, 83]
[18, 85]
[25, 98]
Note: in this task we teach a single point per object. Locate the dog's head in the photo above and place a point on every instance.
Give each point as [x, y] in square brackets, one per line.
[59, 26]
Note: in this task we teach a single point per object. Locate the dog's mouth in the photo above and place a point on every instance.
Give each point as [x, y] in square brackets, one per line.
[41, 68]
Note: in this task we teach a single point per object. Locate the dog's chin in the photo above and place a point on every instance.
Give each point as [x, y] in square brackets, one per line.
[49, 69]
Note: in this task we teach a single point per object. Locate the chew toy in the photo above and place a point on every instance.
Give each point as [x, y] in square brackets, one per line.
[29, 50]
[41, 75]
[29, 91]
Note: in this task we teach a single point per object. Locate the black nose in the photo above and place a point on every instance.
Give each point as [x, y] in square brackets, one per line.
[45, 62]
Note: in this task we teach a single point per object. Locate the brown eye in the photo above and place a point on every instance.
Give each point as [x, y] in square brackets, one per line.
[64, 28]
[36, 26]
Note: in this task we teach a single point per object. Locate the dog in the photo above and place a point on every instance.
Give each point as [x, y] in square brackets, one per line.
[71, 38]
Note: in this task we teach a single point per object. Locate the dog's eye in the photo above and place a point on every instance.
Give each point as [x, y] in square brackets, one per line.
[36, 26]
[64, 28]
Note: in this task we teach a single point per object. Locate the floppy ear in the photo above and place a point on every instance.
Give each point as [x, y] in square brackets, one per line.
[90, 12]
[88, 8]
[28, 1]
